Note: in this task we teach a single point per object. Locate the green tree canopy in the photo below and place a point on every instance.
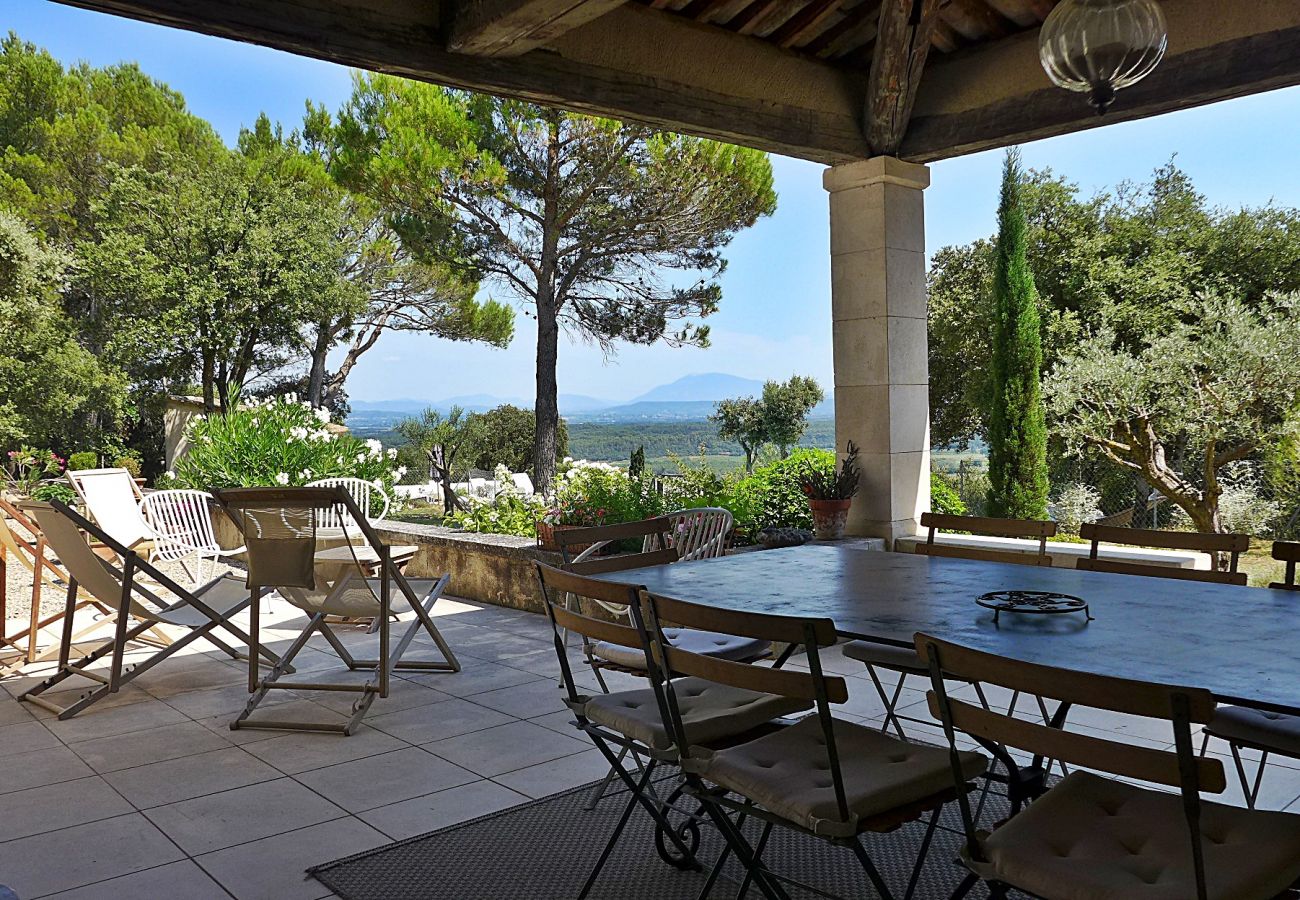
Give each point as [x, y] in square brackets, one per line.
[741, 419]
[1017, 430]
[582, 219]
[505, 436]
[785, 410]
[1189, 402]
[46, 377]
[442, 442]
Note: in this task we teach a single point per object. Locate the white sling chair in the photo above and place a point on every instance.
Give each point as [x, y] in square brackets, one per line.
[182, 525]
[280, 531]
[135, 609]
[112, 499]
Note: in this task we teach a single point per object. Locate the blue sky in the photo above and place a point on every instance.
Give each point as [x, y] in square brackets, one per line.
[775, 317]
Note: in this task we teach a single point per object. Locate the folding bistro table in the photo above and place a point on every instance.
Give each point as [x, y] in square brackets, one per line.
[1237, 642]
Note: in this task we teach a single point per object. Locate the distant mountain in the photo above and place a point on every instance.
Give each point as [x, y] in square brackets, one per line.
[581, 403]
[648, 411]
[709, 386]
[477, 403]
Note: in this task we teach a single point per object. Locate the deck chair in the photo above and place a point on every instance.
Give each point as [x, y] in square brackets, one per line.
[1233, 545]
[34, 554]
[903, 661]
[112, 499]
[280, 532]
[135, 610]
[1242, 727]
[824, 777]
[656, 549]
[182, 526]
[630, 724]
[1090, 836]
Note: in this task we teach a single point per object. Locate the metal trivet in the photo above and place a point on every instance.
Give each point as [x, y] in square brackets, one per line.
[1033, 603]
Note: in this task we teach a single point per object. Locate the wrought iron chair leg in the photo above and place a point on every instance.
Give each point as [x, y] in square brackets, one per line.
[870, 868]
[641, 796]
[1249, 791]
[615, 835]
[963, 889]
[770, 887]
[599, 790]
[758, 861]
[891, 714]
[923, 853]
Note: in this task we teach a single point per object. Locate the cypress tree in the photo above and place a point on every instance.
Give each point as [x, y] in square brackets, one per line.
[1017, 426]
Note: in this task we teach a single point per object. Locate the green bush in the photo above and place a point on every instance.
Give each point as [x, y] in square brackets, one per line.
[700, 485]
[54, 490]
[130, 462]
[772, 493]
[601, 494]
[944, 497]
[277, 442]
[86, 459]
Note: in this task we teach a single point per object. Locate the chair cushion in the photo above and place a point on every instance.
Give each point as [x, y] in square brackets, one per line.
[710, 712]
[705, 643]
[902, 659]
[1272, 731]
[1093, 838]
[788, 773]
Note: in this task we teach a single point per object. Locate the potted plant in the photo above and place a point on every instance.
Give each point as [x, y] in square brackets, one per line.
[564, 514]
[830, 494]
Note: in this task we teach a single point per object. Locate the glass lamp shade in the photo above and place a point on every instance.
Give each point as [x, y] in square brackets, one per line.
[1101, 46]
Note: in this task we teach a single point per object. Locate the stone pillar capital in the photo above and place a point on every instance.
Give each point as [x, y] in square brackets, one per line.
[876, 170]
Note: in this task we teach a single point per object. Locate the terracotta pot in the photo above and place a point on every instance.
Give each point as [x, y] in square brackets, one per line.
[829, 518]
[546, 538]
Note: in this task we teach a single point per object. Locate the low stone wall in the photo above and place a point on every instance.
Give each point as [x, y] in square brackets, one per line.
[490, 568]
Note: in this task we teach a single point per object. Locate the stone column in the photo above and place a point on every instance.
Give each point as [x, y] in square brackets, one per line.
[878, 304]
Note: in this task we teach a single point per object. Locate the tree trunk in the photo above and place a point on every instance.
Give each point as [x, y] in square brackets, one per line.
[547, 406]
[316, 377]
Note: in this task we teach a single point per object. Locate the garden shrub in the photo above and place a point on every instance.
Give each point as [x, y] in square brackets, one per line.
[278, 441]
[86, 459]
[700, 485]
[509, 512]
[1074, 505]
[772, 492]
[944, 497]
[130, 462]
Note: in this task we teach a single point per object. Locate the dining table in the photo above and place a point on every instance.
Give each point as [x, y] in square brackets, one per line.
[1237, 642]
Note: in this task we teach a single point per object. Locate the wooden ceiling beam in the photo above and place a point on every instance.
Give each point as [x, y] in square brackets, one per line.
[513, 27]
[858, 18]
[985, 98]
[802, 22]
[902, 45]
[633, 63]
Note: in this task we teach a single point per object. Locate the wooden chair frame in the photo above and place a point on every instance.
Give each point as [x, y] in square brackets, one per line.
[389, 658]
[1214, 544]
[558, 588]
[981, 525]
[815, 685]
[994, 731]
[135, 602]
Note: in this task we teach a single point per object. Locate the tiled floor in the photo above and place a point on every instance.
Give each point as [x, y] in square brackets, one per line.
[150, 794]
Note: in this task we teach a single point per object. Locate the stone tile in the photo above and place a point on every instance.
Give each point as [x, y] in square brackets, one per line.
[557, 775]
[443, 809]
[476, 679]
[402, 694]
[524, 700]
[199, 673]
[507, 748]
[441, 720]
[59, 861]
[291, 710]
[25, 737]
[297, 752]
[245, 814]
[275, 868]
[225, 701]
[41, 767]
[557, 721]
[182, 880]
[173, 780]
[12, 712]
[387, 778]
[131, 713]
[140, 748]
[54, 806]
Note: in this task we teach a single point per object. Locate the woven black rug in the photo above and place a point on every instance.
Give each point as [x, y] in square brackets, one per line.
[544, 850]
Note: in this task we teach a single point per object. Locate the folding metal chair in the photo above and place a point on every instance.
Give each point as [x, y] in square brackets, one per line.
[280, 531]
[825, 777]
[699, 533]
[204, 611]
[1094, 837]
[631, 723]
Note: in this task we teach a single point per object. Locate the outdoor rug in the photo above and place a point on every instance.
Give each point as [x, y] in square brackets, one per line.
[543, 850]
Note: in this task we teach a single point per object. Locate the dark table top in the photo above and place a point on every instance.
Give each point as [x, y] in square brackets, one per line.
[1238, 642]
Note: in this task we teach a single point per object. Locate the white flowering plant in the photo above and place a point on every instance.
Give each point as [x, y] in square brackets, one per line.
[278, 441]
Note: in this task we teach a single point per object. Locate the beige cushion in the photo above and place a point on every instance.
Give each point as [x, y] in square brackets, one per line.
[1273, 731]
[788, 773]
[356, 597]
[710, 712]
[904, 659]
[705, 643]
[1093, 838]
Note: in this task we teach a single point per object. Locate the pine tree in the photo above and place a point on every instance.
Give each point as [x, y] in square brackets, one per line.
[1017, 427]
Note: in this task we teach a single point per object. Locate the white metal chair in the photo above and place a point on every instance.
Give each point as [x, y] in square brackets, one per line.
[181, 521]
[333, 521]
[699, 533]
[112, 499]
